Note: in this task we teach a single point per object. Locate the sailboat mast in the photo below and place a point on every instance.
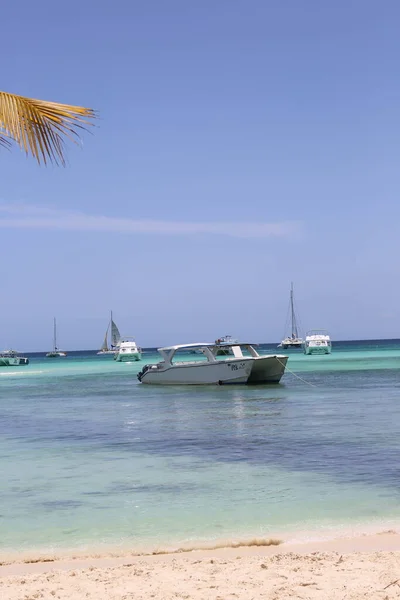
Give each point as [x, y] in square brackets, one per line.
[54, 335]
[110, 326]
[294, 325]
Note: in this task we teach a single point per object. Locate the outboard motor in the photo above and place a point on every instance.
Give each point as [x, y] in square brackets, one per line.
[142, 372]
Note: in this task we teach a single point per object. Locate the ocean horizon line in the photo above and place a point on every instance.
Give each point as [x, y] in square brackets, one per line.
[274, 343]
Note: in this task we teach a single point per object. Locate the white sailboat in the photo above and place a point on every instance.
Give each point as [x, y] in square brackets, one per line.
[114, 341]
[293, 340]
[55, 353]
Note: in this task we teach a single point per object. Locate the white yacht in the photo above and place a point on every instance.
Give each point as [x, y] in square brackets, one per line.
[317, 342]
[115, 338]
[293, 340]
[244, 366]
[55, 353]
[11, 358]
[128, 350]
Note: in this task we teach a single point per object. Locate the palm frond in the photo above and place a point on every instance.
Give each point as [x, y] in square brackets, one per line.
[39, 127]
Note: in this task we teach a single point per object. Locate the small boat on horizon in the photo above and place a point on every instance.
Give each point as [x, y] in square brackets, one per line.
[55, 353]
[11, 358]
[114, 339]
[317, 341]
[249, 368]
[293, 340]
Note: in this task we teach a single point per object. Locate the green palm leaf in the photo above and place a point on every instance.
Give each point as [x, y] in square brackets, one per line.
[39, 127]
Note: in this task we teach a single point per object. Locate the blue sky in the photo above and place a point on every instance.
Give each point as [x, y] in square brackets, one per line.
[240, 145]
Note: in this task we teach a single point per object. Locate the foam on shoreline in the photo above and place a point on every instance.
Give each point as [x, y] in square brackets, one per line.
[356, 539]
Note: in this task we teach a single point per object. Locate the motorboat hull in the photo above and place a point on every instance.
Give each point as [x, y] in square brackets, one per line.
[196, 373]
[285, 345]
[323, 349]
[127, 357]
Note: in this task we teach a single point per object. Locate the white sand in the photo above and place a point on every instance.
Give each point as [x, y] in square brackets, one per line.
[365, 568]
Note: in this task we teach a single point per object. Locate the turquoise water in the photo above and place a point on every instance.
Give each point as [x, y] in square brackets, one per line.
[91, 458]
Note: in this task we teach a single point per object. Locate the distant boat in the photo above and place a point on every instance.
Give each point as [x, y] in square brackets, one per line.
[225, 340]
[317, 341]
[55, 353]
[293, 340]
[114, 341]
[128, 350]
[11, 358]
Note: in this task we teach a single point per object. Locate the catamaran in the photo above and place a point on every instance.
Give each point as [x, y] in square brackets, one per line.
[55, 353]
[114, 341]
[245, 366]
[293, 340]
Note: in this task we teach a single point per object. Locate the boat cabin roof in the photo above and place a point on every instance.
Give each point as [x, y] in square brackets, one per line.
[209, 350]
[206, 345]
[317, 332]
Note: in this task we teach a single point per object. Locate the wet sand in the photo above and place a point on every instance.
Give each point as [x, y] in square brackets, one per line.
[366, 566]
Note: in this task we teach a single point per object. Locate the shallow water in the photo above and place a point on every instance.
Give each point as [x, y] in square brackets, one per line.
[90, 457]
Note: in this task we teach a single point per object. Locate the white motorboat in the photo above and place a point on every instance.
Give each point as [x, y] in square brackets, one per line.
[11, 358]
[227, 341]
[293, 340]
[114, 339]
[55, 353]
[128, 350]
[245, 366]
[317, 342]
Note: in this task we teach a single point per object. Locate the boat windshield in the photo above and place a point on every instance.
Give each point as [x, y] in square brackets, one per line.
[184, 355]
[222, 353]
[206, 353]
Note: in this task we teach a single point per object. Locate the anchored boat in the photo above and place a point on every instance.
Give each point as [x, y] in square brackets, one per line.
[245, 366]
[114, 339]
[317, 341]
[128, 350]
[55, 353]
[11, 358]
[293, 340]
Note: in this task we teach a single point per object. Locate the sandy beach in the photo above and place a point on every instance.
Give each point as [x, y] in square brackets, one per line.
[362, 567]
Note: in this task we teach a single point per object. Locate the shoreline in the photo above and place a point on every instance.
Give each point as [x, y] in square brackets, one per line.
[340, 541]
[353, 568]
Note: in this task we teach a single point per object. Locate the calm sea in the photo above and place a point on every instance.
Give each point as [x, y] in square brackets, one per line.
[90, 458]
